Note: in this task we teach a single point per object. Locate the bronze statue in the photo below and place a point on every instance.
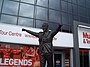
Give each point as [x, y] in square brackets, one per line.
[45, 44]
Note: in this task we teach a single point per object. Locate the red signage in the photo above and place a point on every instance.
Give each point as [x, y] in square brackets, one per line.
[86, 38]
[19, 56]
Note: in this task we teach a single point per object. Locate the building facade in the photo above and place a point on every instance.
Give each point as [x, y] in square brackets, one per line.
[33, 13]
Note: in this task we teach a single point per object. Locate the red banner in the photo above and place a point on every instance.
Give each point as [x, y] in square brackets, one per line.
[12, 55]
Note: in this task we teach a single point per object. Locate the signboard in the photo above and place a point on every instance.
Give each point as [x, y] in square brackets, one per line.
[84, 37]
[14, 34]
[12, 55]
[81, 37]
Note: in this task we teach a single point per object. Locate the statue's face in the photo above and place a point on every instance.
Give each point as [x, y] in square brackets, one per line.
[45, 27]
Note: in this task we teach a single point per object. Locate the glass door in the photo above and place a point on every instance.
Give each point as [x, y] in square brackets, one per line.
[59, 59]
[84, 58]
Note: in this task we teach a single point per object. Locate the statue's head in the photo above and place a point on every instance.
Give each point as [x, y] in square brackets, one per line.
[45, 27]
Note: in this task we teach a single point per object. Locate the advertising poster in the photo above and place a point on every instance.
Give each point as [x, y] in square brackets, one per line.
[12, 55]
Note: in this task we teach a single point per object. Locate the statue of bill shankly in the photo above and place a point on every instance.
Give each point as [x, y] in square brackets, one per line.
[45, 44]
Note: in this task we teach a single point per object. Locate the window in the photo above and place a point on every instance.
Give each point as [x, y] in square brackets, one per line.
[81, 2]
[25, 22]
[15, 0]
[83, 19]
[10, 7]
[64, 0]
[70, 19]
[0, 4]
[28, 1]
[64, 6]
[69, 8]
[41, 13]
[74, 1]
[82, 11]
[88, 4]
[42, 3]
[69, 0]
[88, 12]
[8, 19]
[76, 18]
[65, 18]
[53, 26]
[75, 9]
[66, 28]
[39, 23]
[54, 4]
[89, 20]
[26, 10]
[54, 16]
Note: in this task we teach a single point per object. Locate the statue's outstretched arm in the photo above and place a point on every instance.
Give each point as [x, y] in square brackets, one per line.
[31, 32]
[53, 33]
